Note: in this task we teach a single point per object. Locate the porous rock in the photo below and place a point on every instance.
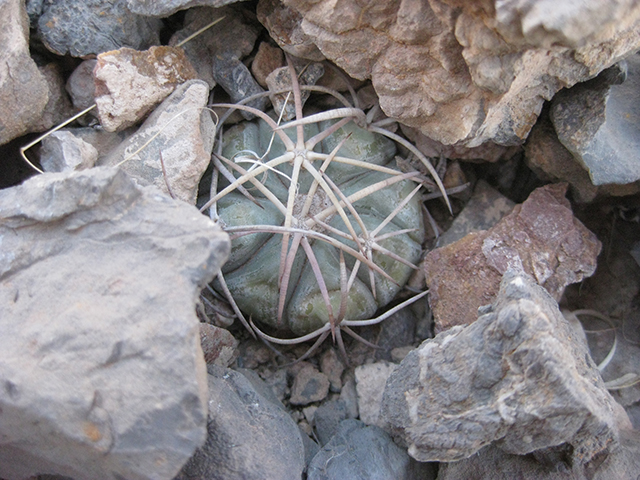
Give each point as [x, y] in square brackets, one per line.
[361, 452]
[518, 378]
[176, 140]
[24, 91]
[472, 72]
[164, 8]
[540, 235]
[88, 27]
[249, 436]
[130, 83]
[106, 379]
[370, 381]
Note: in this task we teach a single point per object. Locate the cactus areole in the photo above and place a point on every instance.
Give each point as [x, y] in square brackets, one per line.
[322, 230]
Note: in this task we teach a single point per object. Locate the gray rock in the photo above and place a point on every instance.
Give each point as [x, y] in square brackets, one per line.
[80, 85]
[179, 133]
[62, 151]
[517, 377]
[280, 79]
[106, 379]
[332, 367]
[237, 81]
[58, 107]
[349, 395]
[397, 331]
[249, 437]
[309, 386]
[88, 27]
[24, 92]
[164, 8]
[370, 382]
[327, 419]
[597, 122]
[360, 452]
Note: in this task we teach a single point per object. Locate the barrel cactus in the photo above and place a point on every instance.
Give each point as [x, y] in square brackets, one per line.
[325, 228]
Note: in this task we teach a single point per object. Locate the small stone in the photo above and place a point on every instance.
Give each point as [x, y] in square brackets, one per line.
[332, 367]
[70, 27]
[518, 378]
[81, 86]
[164, 8]
[237, 81]
[182, 144]
[327, 419]
[62, 151]
[309, 413]
[309, 386]
[280, 79]
[253, 353]
[218, 345]
[398, 354]
[130, 83]
[397, 331]
[370, 382]
[278, 384]
[267, 59]
[349, 394]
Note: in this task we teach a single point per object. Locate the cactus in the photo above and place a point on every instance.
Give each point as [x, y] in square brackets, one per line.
[325, 228]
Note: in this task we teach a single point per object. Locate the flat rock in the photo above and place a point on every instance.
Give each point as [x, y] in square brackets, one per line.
[71, 27]
[540, 235]
[309, 386]
[164, 8]
[106, 379]
[361, 452]
[518, 378]
[179, 134]
[249, 436]
[370, 382]
[471, 72]
[24, 92]
[597, 122]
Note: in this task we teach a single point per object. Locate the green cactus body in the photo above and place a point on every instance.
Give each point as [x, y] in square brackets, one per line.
[253, 269]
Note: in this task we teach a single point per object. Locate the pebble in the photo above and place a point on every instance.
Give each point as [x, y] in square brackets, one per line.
[309, 386]
[327, 419]
[80, 85]
[370, 382]
[218, 345]
[62, 151]
[332, 367]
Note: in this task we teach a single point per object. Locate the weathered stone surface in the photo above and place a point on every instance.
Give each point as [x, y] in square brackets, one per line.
[218, 345]
[235, 35]
[249, 436]
[130, 83]
[518, 377]
[396, 331]
[280, 79]
[541, 235]
[88, 27]
[164, 8]
[471, 72]
[267, 59]
[327, 419]
[106, 379]
[23, 89]
[179, 134]
[237, 81]
[81, 88]
[332, 367]
[361, 452]
[284, 26]
[597, 122]
[309, 386]
[370, 381]
[58, 108]
[62, 151]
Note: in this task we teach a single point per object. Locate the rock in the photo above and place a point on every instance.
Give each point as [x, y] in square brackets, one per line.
[485, 208]
[218, 345]
[361, 452]
[332, 367]
[24, 92]
[235, 35]
[280, 79]
[327, 419]
[88, 27]
[309, 386]
[253, 353]
[349, 395]
[596, 122]
[179, 133]
[249, 437]
[106, 379]
[284, 26]
[267, 59]
[370, 381]
[164, 8]
[81, 87]
[517, 378]
[129, 83]
[471, 72]
[237, 81]
[541, 235]
[396, 331]
[62, 151]
[58, 108]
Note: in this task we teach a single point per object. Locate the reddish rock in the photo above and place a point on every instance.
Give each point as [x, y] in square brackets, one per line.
[268, 59]
[540, 235]
[218, 345]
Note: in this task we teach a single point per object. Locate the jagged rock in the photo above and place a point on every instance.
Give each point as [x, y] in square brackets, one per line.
[471, 72]
[518, 378]
[24, 92]
[267, 59]
[236, 35]
[361, 452]
[62, 151]
[80, 85]
[218, 345]
[541, 235]
[370, 381]
[596, 122]
[309, 386]
[164, 8]
[179, 134]
[249, 436]
[332, 367]
[237, 81]
[280, 79]
[58, 108]
[106, 379]
[88, 27]
[129, 83]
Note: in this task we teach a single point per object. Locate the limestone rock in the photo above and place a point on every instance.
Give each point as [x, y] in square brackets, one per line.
[88, 27]
[62, 151]
[472, 72]
[106, 379]
[164, 8]
[370, 381]
[518, 378]
[23, 89]
[130, 83]
[540, 235]
[179, 134]
[249, 436]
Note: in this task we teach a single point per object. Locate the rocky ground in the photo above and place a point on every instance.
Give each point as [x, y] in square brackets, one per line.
[119, 356]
